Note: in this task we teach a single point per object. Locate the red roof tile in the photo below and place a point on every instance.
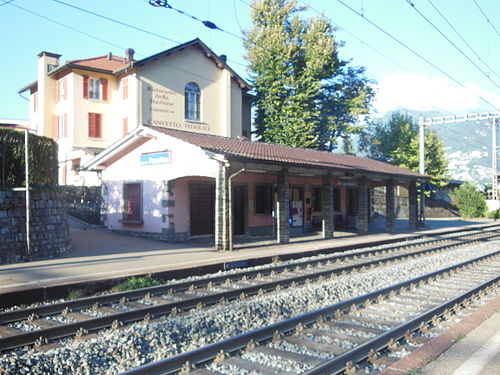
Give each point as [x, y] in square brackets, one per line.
[301, 157]
[104, 62]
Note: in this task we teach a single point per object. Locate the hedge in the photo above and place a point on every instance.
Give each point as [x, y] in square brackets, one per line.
[42, 159]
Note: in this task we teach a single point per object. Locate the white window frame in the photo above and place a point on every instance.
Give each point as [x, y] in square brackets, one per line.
[95, 89]
[192, 105]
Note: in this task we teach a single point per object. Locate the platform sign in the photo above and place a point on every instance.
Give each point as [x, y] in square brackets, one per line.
[156, 158]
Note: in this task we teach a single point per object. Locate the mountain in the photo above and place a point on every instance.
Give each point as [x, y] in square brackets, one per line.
[468, 147]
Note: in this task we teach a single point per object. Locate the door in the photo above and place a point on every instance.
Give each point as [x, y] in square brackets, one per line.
[239, 211]
[202, 208]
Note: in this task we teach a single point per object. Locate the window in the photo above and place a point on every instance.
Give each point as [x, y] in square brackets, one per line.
[95, 125]
[132, 203]
[192, 102]
[59, 126]
[336, 199]
[125, 126]
[61, 90]
[263, 198]
[125, 88]
[316, 199]
[94, 88]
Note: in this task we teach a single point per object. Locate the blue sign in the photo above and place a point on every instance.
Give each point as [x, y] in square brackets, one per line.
[156, 158]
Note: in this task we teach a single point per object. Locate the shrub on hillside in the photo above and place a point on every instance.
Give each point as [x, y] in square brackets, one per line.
[470, 201]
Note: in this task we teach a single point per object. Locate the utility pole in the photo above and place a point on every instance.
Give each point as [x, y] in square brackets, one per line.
[421, 128]
[27, 187]
[494, 166]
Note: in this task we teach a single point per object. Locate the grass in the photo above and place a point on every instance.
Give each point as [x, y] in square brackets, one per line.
[414, 371]
[458, 338]
[76, 293]
[136, 283]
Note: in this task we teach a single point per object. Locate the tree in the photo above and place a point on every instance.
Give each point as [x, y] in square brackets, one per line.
[397, 142]
[304, 95]
[470, 201]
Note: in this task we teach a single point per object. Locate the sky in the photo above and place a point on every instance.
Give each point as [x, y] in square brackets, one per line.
[416, 68]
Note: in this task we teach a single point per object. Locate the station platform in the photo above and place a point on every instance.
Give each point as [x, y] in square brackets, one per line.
[469, 347]
[99, 254]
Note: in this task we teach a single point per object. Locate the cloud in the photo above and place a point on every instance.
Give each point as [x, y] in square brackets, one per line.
[417, 92]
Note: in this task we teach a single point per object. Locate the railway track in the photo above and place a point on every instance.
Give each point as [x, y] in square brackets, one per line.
[357, 336]
[44, 324]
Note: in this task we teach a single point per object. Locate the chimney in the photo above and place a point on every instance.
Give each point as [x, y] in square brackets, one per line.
[223, 58]
[129, 54]
[110, 56]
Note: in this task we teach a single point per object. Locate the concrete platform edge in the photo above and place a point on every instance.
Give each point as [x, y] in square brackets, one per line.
[437, 346]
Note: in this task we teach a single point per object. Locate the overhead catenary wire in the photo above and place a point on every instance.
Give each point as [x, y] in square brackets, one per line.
[68, 27]
[412, 5]
[117, 21]
[414, 52]
[6, 2]
[206, 23]
[462, 38]
[487, 19]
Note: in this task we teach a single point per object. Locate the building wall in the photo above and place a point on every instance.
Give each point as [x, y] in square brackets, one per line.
[49, 230]
[162, 84]
[155, 97]
[163, 186]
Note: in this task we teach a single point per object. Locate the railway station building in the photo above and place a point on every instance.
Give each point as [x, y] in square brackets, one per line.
[167, 138]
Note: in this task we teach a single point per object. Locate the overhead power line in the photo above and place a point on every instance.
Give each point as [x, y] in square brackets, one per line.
[206, 23]
[69, 27]
[463, 40]
[117, 21]
[414, 52]
[485, 16]
[6, 2]
[450, 41]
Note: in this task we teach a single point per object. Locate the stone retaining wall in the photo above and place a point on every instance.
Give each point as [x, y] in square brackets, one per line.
[49, 230]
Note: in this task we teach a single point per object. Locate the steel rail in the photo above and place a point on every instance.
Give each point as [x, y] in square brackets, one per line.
[175, 363]
[69, 329]
[51, 309]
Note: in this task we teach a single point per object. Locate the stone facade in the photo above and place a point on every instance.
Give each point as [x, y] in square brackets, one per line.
[389, 205]
[283, 213]
[49, 230]
[327, 206]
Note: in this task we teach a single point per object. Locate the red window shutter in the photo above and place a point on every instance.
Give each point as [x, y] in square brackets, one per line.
[92, 125]
[125, 88]
[125, 126]
[85, 87]
[98, 125]
[55, 127]
[65, 125]
[65, 85]
[104, 83]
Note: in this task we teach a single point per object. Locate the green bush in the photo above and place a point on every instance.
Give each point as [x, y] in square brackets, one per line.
[136, 283]
[470, 201]
[42, 159]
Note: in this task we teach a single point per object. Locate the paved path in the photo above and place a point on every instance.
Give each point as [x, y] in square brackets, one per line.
[99, 254]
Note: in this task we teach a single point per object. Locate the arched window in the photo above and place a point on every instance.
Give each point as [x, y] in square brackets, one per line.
[192, 101]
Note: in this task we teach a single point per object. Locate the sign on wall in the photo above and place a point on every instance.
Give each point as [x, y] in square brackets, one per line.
[156, 158]
[164, 107]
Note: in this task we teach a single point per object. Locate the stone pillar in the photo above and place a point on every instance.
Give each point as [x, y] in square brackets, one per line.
[389, 205]
[362, 205]
[413, 204]
[327, 206]
[222, 208]
[282, 210]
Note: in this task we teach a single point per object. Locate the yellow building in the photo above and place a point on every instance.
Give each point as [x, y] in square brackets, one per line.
[88, 104]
